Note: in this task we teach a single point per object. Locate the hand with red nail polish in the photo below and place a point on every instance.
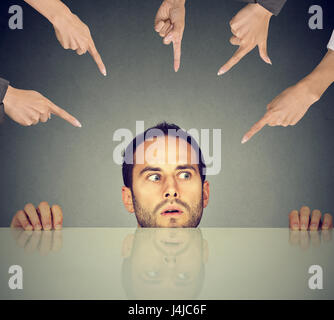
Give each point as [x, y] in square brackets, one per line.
[303, 220]
[41, 218]
[169, 23]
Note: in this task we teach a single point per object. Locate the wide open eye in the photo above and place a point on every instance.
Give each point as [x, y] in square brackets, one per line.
[154, 177]
[185, 175]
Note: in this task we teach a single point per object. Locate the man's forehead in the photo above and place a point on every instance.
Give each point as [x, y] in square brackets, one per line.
[166, 150]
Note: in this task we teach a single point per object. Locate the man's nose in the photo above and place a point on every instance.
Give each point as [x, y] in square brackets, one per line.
[171, 190]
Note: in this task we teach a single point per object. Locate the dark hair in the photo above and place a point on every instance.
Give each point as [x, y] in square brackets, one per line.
[166, 129]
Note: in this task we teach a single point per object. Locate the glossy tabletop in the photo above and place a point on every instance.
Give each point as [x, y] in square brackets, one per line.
[208, 263]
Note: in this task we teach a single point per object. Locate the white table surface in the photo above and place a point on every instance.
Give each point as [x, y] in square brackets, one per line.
[127, 263]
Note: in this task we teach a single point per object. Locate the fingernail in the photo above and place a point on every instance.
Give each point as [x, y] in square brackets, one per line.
[220, 72]
[77, 124]
[47, 227]
[104, 72]
[38, 227]
[313, 225]
[58, 227]
[296, 226]
[303, 226]
[244, 140]
[325, 226]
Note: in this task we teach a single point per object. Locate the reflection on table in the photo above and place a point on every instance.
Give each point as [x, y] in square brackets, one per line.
[208, 263]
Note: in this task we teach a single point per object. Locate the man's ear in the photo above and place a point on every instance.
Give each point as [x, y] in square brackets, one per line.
[206, 193]
[127, 199]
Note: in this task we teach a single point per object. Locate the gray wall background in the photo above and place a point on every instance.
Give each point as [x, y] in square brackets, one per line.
[260, 183]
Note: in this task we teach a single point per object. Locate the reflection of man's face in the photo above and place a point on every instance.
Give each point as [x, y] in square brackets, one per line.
[164, 263]
[167, 189]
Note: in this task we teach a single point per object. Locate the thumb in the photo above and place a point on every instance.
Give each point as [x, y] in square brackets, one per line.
[176, 34]
[263, 52]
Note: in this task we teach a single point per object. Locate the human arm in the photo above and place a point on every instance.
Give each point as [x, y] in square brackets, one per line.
[291, 105]
[170, 23]
[70, 31]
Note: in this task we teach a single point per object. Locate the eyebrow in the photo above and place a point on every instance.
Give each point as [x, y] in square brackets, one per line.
[157, 169]
[187, 166]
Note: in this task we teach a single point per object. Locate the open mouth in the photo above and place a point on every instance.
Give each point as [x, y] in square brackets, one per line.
[170, 212]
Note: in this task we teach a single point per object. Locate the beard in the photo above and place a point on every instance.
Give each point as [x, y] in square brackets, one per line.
[147, 219]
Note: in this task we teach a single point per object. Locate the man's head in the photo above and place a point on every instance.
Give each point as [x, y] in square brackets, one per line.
[163, 174]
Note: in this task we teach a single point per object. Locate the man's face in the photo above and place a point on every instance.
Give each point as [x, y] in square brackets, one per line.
[167, 190]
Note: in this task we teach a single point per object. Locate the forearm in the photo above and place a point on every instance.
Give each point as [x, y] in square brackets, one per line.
[50, 9]
[321, 77]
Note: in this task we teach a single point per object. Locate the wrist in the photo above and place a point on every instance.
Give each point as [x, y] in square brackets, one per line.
[308, 87]
[50, 9]
[262, 10]
[321, 77]
[58, 15]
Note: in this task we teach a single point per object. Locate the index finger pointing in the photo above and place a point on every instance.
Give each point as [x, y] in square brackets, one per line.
[255, 128]
[97, 58]
[238, 55]
[177, 54]
[65, 115]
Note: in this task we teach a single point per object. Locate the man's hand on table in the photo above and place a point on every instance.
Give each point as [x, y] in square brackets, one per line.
[45, 217]
[304, 220]
[42, 218]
